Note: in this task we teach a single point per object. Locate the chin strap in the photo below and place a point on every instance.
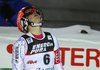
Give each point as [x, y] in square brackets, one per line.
[34, 24]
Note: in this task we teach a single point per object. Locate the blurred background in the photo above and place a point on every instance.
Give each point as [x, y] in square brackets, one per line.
[58, 13]
[63, 13]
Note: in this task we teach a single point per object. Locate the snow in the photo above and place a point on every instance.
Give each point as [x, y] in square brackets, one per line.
[72, 32]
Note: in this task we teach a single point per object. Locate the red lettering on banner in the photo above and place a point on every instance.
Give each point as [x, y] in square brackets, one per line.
[73, 56]
[63, 54]
[88, 57]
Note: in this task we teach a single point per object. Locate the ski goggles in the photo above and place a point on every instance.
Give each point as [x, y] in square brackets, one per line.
[30, 10]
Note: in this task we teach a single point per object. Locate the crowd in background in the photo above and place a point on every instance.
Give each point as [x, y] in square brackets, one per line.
[9, 10]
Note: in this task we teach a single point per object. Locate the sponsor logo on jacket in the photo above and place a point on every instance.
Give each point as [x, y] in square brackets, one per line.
[17, 54]
[31, 62]
[41, 47]
[51, 68]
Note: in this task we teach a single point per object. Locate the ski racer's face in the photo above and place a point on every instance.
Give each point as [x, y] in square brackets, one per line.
[34, 17]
